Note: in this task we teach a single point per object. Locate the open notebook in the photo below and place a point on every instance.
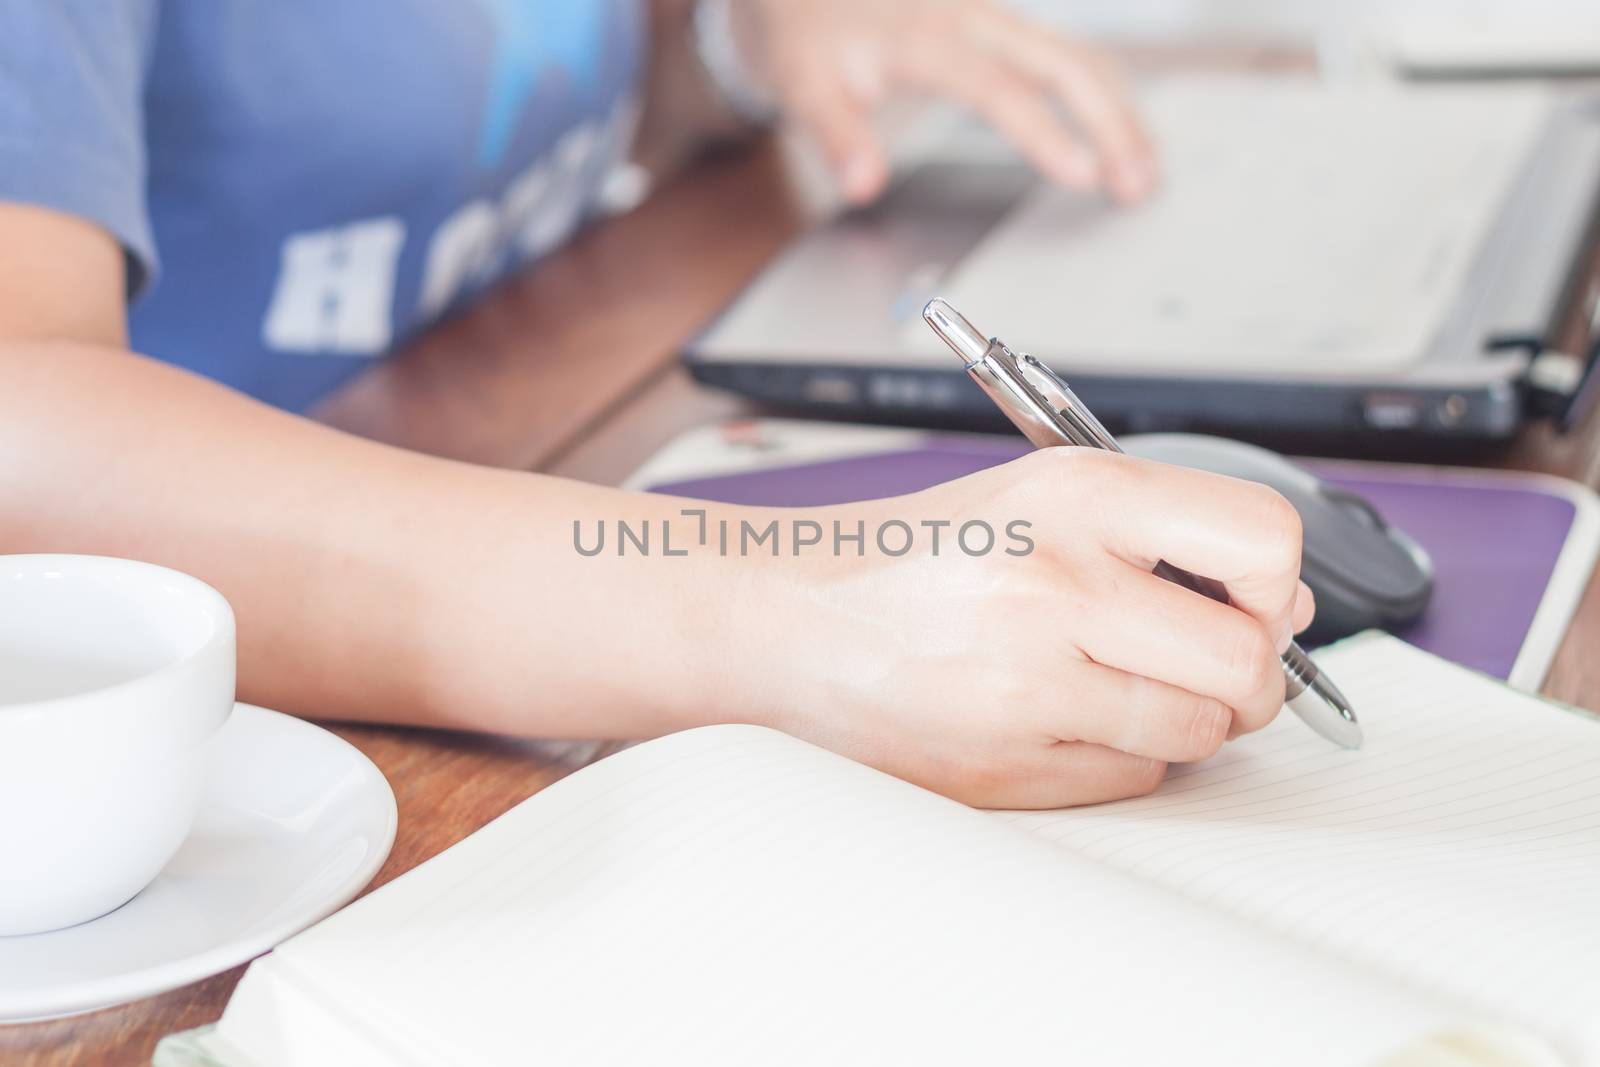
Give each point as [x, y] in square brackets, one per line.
[732, 896]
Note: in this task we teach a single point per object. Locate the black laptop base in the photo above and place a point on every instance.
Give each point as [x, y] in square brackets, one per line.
[1488, 413]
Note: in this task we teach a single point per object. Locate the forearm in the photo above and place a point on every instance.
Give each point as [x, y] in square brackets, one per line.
[372, 583]
[369, 582]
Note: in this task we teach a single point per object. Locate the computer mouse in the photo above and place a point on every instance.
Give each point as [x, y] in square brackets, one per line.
[1364, 572]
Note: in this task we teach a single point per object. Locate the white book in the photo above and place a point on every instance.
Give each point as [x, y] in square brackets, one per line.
[731, 895]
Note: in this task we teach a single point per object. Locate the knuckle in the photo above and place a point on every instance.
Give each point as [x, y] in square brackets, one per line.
[1208, 723]
[1281, 527]
[1075, 470]
[1044, 480]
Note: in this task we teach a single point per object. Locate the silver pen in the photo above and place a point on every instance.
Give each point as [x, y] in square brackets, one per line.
[1049, 414]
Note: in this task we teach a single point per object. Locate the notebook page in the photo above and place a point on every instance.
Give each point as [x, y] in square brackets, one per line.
[1459, 849]
[734, 896]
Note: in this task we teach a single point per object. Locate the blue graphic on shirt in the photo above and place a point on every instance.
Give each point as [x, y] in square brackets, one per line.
[529, 39]
[297, 183]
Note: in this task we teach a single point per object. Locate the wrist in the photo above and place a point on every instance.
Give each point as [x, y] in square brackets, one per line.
[563, 629]
[731, 617]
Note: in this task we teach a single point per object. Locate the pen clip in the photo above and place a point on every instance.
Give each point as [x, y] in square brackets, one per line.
[1057, 397]
[1032, 395]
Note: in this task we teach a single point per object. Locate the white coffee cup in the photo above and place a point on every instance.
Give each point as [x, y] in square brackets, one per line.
[114, 676]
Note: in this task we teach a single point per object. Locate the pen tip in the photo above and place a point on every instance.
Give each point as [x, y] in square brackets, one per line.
[1328, 711]
[954, 329]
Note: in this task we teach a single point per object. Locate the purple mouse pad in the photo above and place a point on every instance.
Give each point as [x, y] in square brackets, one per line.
[1494, 545]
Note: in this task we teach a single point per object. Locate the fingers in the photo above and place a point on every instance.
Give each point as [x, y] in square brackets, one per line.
[842, 125]
[1062, 775]
[1240, 533]
[1090, 89]
[1017, 76]
[1015, 107]
[1149, 627]
[833, 71]
[1136, 715]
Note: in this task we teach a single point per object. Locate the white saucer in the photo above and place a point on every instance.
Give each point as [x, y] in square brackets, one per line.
[294, 824]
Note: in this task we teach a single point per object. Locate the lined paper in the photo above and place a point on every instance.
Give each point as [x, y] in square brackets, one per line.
[734, 896]
[1458, 849]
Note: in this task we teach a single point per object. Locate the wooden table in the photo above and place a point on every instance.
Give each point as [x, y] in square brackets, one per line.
[507, 384]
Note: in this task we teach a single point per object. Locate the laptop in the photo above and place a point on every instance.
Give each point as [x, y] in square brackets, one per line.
[1320, 259]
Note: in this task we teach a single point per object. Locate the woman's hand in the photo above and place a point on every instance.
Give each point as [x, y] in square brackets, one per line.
[831, 63]
[403, 588]
[1067, 674]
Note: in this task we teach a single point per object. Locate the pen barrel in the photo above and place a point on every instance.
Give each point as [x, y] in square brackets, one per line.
[1206, 587]
[1049, 414]
[1299, 673]
[1010, 394]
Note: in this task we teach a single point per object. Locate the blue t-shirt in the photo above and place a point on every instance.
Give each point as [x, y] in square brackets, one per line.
[301, 184]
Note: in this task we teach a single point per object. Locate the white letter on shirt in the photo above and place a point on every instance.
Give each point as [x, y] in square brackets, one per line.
[543, 206]
[467, 248]
[335, 289]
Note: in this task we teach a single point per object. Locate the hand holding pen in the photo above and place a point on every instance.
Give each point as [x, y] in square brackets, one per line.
[1069, 674]
[1066, 674]
[1049, 414]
